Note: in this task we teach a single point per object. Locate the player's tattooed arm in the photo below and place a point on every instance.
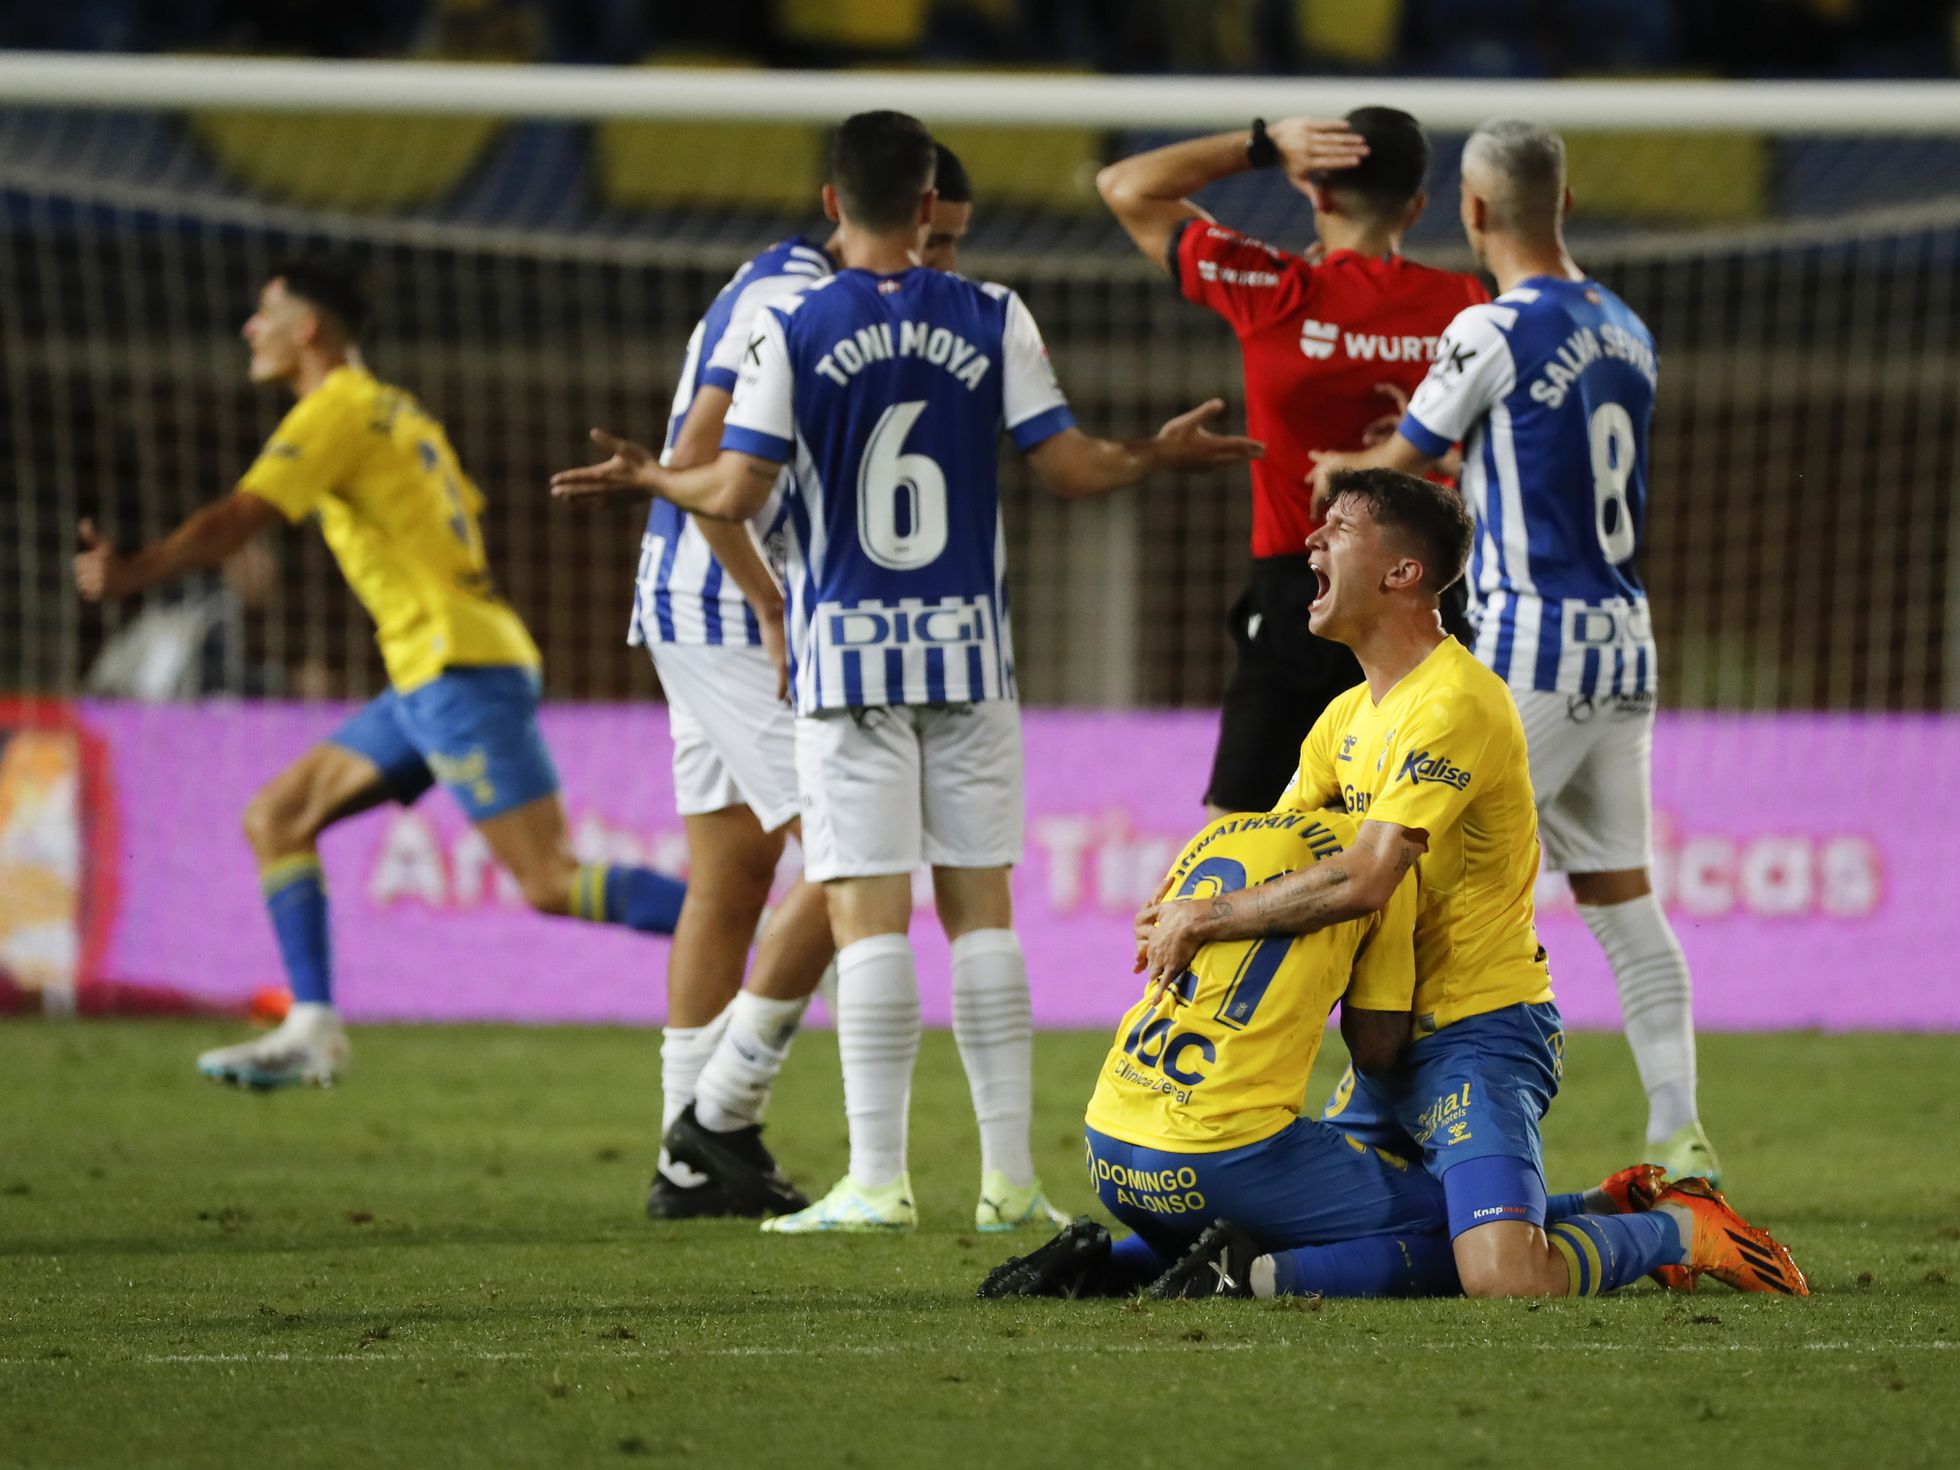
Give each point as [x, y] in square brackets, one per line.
[1357, 882]
[731, 487]
[1073, 464]
[103, 574]
[1149, 193]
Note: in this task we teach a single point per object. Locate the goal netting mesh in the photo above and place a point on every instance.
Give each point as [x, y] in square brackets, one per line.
[542, 242]
[537, 274]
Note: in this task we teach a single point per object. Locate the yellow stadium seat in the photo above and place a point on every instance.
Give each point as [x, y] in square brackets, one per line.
[856, 25]
[336, 161]
[675, 163]
[1699, 177]
[1359, 32]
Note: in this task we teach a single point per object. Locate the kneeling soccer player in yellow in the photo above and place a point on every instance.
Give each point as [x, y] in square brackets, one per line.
[1196, 1113]
[400, 516]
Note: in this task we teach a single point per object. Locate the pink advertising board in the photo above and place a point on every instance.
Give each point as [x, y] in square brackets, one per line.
[1808, 861]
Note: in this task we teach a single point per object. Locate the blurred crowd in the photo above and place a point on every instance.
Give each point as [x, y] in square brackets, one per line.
[1482, 38]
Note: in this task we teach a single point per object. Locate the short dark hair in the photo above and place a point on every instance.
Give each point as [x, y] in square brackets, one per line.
[1433, 517]
[950, 177]
[1397, 164]
[880, 165]
[333, 284]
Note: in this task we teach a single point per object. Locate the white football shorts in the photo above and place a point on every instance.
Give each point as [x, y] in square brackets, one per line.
[891, 787]
[1592, 776]
[734, 741]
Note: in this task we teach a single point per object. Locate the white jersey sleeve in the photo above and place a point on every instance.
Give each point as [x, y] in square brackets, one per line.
[1472, 374]
[725, 352]
[1032, 402]
[761, 419]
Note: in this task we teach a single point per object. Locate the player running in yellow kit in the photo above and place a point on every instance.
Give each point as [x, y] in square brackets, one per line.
[1429, 754]
[401, 519]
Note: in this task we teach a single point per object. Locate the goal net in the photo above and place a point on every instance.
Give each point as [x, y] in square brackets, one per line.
[543, 239]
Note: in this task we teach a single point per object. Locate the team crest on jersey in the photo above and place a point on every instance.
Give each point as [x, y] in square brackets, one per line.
[1317, 339]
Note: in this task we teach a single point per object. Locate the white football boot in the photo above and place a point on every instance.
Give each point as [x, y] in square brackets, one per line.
[309, 1046]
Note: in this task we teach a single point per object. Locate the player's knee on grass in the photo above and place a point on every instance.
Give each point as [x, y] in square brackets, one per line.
[1509, 1258]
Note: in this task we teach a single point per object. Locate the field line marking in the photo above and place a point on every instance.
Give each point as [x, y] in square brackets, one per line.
[883, 1350]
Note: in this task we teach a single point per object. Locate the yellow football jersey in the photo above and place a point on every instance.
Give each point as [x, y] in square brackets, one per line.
[1444, 753]
[1221, 1058]
[399, 515]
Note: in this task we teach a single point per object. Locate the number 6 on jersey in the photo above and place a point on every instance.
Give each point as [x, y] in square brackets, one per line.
[902, 522]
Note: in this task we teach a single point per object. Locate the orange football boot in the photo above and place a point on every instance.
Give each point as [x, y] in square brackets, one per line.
[1635, 1188]
[1724, 1245]
[1633, 1191]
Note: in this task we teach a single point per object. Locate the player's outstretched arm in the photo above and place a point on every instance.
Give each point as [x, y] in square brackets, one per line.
[103, 574]
[1073, 464]
[731, 487]
[1349, 885]
[1150, 193]
[1396, 452]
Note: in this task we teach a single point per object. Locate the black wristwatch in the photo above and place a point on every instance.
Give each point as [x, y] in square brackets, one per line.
[1260, 150]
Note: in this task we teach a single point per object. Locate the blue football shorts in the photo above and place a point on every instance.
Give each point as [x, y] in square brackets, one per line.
[1308, 1184]
[1473, 1094]
[473, 729]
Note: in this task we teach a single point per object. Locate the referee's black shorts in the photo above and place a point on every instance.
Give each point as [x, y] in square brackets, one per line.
[1283, 679]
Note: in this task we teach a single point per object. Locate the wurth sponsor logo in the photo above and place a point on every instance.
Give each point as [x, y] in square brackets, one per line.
[1373, 347]
[1318, 339]
[1321, 340]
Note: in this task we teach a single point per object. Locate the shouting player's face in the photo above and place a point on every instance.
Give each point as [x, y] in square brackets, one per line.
[1352, 561]
[941, 248]
[276, 332]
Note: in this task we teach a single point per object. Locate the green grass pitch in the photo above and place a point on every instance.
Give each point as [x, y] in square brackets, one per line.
[444, 1263]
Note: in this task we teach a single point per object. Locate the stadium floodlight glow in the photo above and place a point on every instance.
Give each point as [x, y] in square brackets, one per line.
[588, 93]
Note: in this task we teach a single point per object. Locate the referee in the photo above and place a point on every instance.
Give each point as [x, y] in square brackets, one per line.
[1333, 342]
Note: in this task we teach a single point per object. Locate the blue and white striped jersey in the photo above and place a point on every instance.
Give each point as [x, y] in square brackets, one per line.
[680, 594]
[1550, 388]
[886, 396]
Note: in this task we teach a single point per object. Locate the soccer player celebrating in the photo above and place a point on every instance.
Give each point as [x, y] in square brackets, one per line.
[710, 611]
[1430, 755]
[1551, 390]
[1333, 343]
[401, 518]
[1196, 1114]
[886, 388]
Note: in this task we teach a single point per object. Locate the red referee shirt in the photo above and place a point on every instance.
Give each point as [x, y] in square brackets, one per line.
[1331, 352]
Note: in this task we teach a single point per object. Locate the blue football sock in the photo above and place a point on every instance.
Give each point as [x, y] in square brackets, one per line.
[1134, 1263]
[296, 897]
[639, 898]
[1375, 1265]
[1564, 1206]
[1605, 1252]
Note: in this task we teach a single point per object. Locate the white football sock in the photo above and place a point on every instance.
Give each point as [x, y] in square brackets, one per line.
[994, 1026]
[1656, 1005]
[733, 1087]
[683, 1052]
[877, 1042]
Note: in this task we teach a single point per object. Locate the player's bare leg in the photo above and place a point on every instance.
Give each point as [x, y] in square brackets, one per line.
[878, 1044]
[993, 1025]
[283, 822]
[1656, 1012]
[534, 844]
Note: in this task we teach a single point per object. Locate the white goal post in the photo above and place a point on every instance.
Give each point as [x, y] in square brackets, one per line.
[587, 93]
